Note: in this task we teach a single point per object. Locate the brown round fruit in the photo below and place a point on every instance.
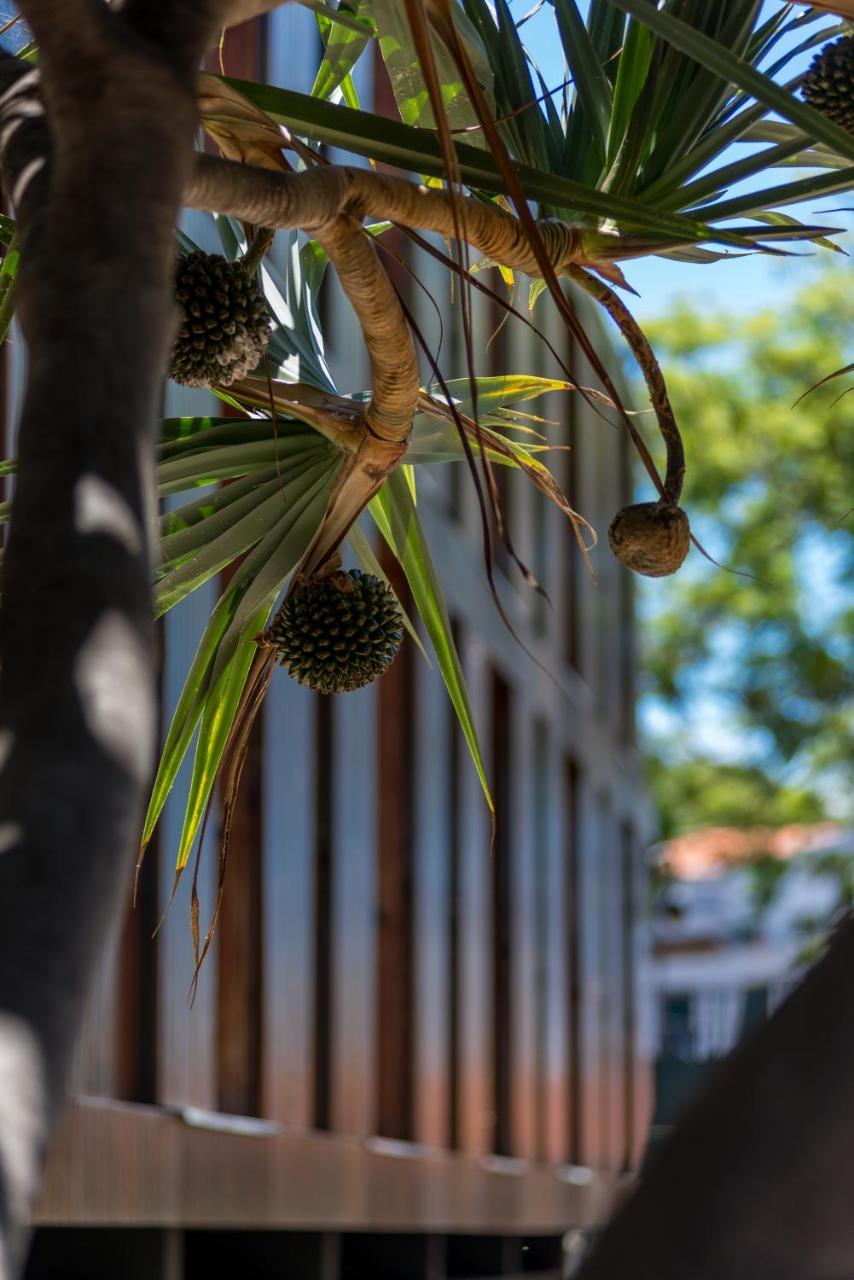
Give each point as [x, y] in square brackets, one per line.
[652, 538]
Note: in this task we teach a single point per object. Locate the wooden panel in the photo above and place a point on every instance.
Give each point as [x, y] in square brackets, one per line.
[136, 1020]
[395, 988]
[475, 1003]
[353, 909]
[289, 835]
[573, 958]
[611, 977]
[589, 1146]
[526, 942]
[323, 907]
[240, 932]
[503, 954]
[435, 851]
[557, 1059]
[117, 1164]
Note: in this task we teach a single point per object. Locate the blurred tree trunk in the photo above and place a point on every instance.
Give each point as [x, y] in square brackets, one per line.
[96, 152]
[757, 1180]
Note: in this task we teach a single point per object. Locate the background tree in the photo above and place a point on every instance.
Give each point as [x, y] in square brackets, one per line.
[758, 669]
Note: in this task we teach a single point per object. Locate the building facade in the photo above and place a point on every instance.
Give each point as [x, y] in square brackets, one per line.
[739, 917]
[412, 1051]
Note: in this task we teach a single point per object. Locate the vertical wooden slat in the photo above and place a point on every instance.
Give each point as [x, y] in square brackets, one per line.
[540, 799]
[240, 1001]
[608, 973]
[323, 908]
[239, 1024]
[433, 903]
[457, 760]
[289, 849]
[573, 913]
[396, 988]
[353, 915]
[629, 1028]
[557, 1066]
[136, 1020]
[525, 943]
[502, 940]
[475, 1004]
[589, 961]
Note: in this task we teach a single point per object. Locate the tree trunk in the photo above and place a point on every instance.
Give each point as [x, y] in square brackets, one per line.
[96, 185]
[757, 1181]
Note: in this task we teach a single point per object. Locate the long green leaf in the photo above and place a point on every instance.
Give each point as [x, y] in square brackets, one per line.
[208, 504]
[218, 717]
[345, 39]
[735, 70]
[236, 537]
[404, 69]
[206, 465]
[189, 708]
[823, 184]
[237, 648]
[397, 520]
[8, 279]
[368, 562]
[418, 149]
[591, 83]
[199, 533]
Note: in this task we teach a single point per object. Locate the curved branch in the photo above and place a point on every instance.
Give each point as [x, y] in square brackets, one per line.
[654, 379]
[394, 366]
[310, 199]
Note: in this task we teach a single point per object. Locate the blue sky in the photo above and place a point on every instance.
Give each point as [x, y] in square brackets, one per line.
[742, 284]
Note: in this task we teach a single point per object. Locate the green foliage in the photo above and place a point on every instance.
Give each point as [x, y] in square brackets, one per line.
[659, 96]
[769, 492]
[704, 792]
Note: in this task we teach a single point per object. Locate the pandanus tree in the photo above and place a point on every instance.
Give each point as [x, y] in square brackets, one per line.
[641, 153]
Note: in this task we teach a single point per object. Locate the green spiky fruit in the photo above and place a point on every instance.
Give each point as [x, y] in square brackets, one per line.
[829, 84]
[652, 538]
[224, 327]
[338, 633]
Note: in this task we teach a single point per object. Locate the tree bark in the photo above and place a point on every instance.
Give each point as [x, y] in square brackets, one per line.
[96, 184]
